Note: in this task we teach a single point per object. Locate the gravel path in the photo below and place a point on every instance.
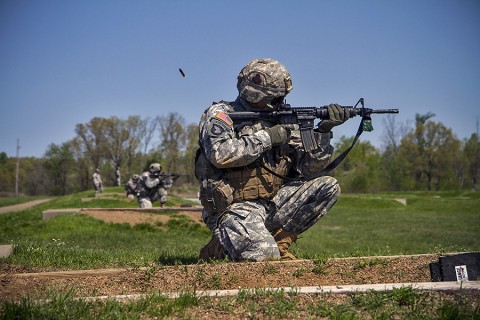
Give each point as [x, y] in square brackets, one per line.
[22, 206]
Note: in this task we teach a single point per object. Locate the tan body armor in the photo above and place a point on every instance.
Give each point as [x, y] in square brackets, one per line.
[254, 181]
[219, 188]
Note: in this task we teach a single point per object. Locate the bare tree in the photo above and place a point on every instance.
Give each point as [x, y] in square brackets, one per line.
[111, 140]
[83, 163]
[122, 138]
[149, 128]
[172, 135]
[191, 150]
[91, 138]
[393, 133]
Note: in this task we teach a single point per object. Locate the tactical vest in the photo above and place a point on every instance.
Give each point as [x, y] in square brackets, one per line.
[254, 181]
[219, 188]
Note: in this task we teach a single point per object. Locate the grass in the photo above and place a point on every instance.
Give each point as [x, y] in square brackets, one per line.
[82, 242]
[363, 225]
[401, 303]
[358, 225]
[65, 306]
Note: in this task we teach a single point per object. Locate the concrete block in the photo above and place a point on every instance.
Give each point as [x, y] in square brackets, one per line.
[56, 212]
[401, 200]
[6, 250]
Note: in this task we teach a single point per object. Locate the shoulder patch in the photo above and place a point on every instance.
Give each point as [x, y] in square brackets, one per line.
[225, 118]
[217, 130]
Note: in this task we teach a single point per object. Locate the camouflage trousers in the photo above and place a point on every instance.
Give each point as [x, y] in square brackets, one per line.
[98, 187]
[244, 229]
[162, 195]
[146, 202]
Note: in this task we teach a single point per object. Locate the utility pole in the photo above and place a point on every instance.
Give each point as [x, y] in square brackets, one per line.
[18, 168]
[478, 133]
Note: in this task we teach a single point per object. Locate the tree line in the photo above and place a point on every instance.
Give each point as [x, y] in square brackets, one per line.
[423, 156]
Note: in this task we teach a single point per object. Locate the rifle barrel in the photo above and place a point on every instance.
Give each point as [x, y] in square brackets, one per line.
[385, 111]
[367, 111]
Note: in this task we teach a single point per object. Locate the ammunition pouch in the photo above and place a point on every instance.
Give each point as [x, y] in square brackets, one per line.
[219, 188]
[215, 194]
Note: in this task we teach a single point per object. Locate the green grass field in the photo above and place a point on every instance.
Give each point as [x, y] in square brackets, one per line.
[358, 225]
[361, 225]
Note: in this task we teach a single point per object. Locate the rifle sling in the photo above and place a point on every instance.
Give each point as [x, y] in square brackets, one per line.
[332, 165]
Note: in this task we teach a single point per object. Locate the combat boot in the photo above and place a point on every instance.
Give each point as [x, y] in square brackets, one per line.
[284, 240]
[213, 250]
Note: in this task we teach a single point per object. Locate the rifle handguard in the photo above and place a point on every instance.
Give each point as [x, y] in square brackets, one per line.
[304, 117]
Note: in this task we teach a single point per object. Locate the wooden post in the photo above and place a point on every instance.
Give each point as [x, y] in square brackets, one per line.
[18, 168]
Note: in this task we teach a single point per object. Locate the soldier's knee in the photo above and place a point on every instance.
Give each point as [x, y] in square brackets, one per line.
[246, 239]
[328, 186]
[261, 252]
[252, 250]
[145, 203]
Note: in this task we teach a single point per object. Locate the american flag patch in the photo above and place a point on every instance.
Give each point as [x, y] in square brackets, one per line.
[224, 117]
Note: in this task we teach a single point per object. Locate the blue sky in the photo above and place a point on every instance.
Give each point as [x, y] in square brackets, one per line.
[65, 62]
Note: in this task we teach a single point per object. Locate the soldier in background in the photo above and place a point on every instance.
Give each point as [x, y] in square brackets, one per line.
[147, 186]
[258, 186]
[131, 186]
[97, 181]
[118, 177]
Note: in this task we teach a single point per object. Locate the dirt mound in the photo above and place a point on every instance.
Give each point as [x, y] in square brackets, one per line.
[136, 217]
[16, 281]
[218, 276]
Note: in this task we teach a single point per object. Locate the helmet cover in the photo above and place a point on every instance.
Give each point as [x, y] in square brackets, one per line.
[155, 168]
[263, 79]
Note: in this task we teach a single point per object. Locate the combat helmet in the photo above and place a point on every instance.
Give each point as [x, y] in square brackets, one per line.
[155, 168]
[264, 79]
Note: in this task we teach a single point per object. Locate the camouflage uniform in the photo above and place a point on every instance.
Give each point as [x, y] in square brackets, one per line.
[244, 227]
[258, 186]
[147, 187]
[97, 181]
[165, 184]
[118, 177]
[131, 186]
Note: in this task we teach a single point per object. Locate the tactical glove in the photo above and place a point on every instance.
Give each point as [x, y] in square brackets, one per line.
[336, 116]
[279, 134]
